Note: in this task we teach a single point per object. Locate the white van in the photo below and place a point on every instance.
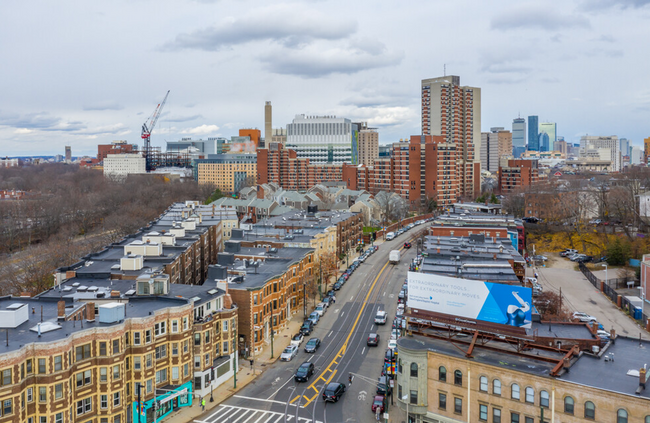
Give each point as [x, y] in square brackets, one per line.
[380, 318]
[390, 235]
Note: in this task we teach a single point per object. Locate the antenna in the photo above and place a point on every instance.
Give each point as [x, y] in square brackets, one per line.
[444, 70]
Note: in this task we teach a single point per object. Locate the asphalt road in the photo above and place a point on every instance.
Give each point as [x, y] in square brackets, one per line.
[275, 397]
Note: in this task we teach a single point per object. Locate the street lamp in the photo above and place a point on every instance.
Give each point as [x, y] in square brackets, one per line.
[605, 265]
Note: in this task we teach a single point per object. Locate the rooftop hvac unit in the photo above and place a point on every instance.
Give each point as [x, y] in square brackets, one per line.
[111, 313]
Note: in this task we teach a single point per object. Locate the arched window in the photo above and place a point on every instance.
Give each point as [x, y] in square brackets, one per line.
[543, 398]
[530, 395]
[590, 410]
[458, 378]
[414, 369]
[442, 374]
[496, 387]
[483, 385]
[568, 405]
[647, 419]
[621, 416]
[514, 391]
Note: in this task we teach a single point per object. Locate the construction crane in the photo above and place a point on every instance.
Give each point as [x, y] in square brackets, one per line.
[147, 128]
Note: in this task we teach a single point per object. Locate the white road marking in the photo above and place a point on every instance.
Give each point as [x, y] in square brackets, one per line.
[363, 350]
[262, 399]
[352, 298]
[310, 357]
[250, 415]
[384, 294]
[278, 390]
[342, 313]
[330, 334]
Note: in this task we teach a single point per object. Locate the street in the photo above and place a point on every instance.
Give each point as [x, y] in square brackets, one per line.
[276, 397]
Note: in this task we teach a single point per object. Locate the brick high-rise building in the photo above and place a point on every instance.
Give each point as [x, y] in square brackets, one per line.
[519, 174]
[116, 147]
[454, 112]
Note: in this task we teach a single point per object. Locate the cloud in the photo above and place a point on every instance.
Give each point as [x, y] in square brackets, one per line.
[201, 130]
[290, 25]
[504, 65]
[23, 131]
[551, 80]
[39, 121]
[181, 118]
[321, 60]
[104, 106]
[537, 17]
[605, 39]
[595, 5]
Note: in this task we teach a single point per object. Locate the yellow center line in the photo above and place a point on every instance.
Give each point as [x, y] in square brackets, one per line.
[345, 344]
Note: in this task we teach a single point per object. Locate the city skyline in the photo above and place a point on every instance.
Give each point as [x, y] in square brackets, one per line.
[101, 71]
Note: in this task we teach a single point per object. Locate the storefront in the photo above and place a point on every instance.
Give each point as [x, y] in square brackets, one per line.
[168, 399]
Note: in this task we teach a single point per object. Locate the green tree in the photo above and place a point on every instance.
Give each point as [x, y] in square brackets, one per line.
[618, 253]
[217, 194]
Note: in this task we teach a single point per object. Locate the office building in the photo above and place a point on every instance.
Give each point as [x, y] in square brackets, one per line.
[68, 153]
[253, 135]
[119, 166]
[279, 135]
[454, 112]
[636, 155]
[547, 135]
[227, 172]
[213, 145]
[115, 147]
[495, 144]
[607, 148]
[321, 139]
[561, 146]
[518, 134]
[533, 133]
[368, 144]
[625, 146]
[7, 162]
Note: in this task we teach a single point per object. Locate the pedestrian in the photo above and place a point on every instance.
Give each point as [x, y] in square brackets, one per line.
[536, 275]
[333, 299]
[202, 404]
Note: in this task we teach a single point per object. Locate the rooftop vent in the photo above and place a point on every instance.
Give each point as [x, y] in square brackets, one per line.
[45, 327]
[111, 313]
[82, 288]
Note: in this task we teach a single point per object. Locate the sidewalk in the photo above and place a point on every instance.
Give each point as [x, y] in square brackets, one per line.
[245, 375]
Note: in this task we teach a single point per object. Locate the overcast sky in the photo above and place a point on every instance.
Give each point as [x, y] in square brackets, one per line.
[83, 73]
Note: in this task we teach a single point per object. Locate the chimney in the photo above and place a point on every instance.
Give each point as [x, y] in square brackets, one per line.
[495, 256]
[642, 377]
[566, 363]
[60, 306]
[227, 301]
[70, 274]
[90, 311]
[594, 327]
[25, 294]
[438, 250]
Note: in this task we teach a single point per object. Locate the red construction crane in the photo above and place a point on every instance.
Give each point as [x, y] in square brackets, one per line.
[147, 128]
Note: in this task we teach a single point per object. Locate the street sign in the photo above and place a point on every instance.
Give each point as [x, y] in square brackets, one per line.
[392, 383]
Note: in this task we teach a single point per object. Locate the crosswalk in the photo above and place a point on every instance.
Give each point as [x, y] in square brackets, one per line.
[233, 414]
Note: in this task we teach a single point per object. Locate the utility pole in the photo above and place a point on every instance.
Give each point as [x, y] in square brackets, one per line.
[236, 358]
[304, 299]
[272, 333]
[139, 402]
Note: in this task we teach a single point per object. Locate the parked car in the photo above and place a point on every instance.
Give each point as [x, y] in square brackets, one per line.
[333, 392]
[540, 258]
[584, 317]
[304, 372]
[327, 301]
[378, 402]
[390, 356]
[392, 344]
[390, 236]
[320, 309]
[383, 387]
[307, 327]
[337, 286]
[290, 352]
[314, 317]
[297, 339]
[603, 333]
[373, 340]
[395, 334]
[568, 252]
[312, 345]
[585, 259]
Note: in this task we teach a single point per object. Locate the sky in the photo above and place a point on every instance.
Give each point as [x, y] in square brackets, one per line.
[83, 73]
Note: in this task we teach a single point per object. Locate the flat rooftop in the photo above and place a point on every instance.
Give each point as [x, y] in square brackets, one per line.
[301, 219]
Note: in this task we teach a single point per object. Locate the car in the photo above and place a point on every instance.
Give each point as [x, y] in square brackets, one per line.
[289, 353]
[390, 356]
[337, 286]
[381, 317]
[399, 312]
[314, 317]
[584, 317]
[568, 252]
[297, 339]
[373, 340]
[395, 334]
[341, 280]
[383, 386]
[320, 310]
[585, 259]
[390, 236]
[307, 327]
[327, 301]
[333, 391]
[324, 305]
[603, 333]
[392, 344]
[304, 372]
[577, 256]
[379, 402]
[407, 245]
[540, 258]
[312, 345]
[330, 293]
[362, 258]
[401, 295]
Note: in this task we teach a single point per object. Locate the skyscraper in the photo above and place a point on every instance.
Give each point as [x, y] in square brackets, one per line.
[322, 139]
[68, 153]
[368, 142]
[533, 133]
[549, 129]
[454, 112]
[625, 146]
[519, 132]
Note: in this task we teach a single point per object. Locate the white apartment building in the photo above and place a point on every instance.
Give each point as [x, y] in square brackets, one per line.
[119, 166]
[321, 139]
[636, 155]
[609, 148]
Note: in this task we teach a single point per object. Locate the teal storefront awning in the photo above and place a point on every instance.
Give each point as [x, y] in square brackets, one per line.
[167, 399]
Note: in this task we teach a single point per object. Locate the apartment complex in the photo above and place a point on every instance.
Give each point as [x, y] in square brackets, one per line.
[116, 147]
[454, 112]
[227, 172]
[519, 174]
[368, 145]
[495, 144]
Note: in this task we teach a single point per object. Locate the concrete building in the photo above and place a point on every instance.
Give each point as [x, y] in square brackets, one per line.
[115, 147]
[495, 144]
[561, 146]
[547, 135]
[268, 123]
[279, 135]
[636, 155]
[454, 112]
[7, 162]
[368, 145]
[119, 166]
[518, 136]
[68, 154]
[321, 139]
[533, 133]
[213, 145]
[518, 175]
[227, 172]
[608, 148]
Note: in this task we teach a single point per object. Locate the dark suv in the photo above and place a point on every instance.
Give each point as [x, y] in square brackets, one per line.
[333, 392]
[307, 327]
[383, 387]
[303, 373]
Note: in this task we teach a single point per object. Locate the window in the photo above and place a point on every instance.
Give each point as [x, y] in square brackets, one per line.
[458, 405]
[161, 352]
[543, 398]
[621, 416]
[483, 384]
[529, 420]
[58, 363]
[58, 391]
[514, 418]
[225, 326]
[514, 391]
[82, 352]
[116, 346]
[496, 387]
[58, 418]
[148, 360]
[482, 412]
[647, 419]
[84, 406]
[207, 337]
[225, 347]
[137, 364]
[184, 323]
[160, 328]
[103, 374]
[414, 397]
[102, 348]
[83, 378]
[590, 410]
[442, 374]
[29, 366]
[174, 326]
[41, 366]
[186, 369]
[496, 415]
[568, 405]
[414, 369]
[136, 338]
[30, 394]
[116, 399]
[442, 401]
[116, 372]
[458, 378]
[6, 407]
[175, 348]
[147, 336]
[117, 419]
[197, 339]
[42, 394]
[6, 377]
[149, 385]
[103, 401]
[530, 395]
[161, 376]
[174, 373]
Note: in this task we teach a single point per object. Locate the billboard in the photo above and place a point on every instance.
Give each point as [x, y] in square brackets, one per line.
[485, 301]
